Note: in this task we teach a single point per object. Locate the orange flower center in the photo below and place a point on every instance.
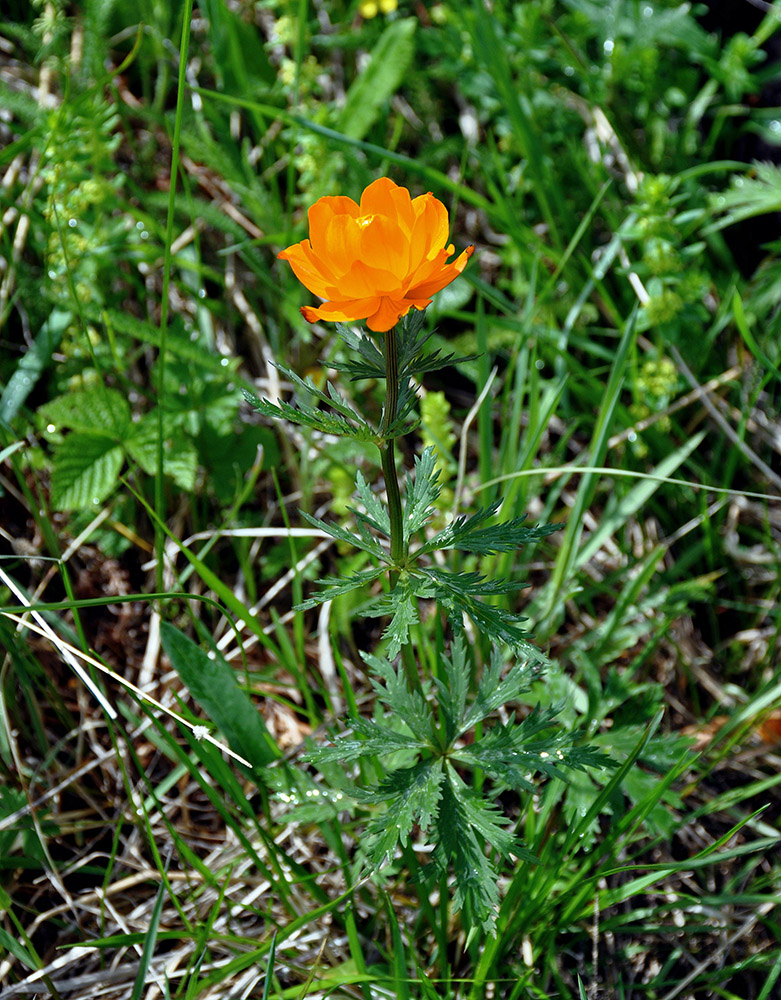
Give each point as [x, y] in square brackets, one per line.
[365, 220]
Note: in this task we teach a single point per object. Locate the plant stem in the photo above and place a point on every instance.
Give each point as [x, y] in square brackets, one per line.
[387, 447]
[398, 548]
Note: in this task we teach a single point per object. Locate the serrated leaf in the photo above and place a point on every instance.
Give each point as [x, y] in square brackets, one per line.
[452, 695]
[481, 815]
[467, 534]
[421, 493]
[86, 469]
[307, 416]
[511, 753]
[376, 515]
[372, 364]
[412, 795]
[476, 890]
[493, 690]
[98, 410]
[343, 535]
[391, 686]
[455, 593]
[335, 586]
[376, 741]
[384, 73]
[401, 605]
[180, 459]
[331, 397]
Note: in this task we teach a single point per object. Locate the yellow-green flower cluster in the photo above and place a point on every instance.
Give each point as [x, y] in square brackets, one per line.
[371, 8]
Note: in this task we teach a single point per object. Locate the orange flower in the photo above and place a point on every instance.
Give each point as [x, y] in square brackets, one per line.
[377, 260]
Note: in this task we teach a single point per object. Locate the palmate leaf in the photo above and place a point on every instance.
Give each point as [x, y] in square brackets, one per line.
[412, 795]
[515, 751]
[335, 586]
[376, 741]
[493, 690]
[455, 592]
[475, 878]
[392, 689]
[467, 534]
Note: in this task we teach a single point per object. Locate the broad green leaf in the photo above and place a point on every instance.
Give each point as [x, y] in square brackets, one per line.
[180, 459]
[390, 60]
[212, 683]
[86, 469]
[32, 364]
[98, 410]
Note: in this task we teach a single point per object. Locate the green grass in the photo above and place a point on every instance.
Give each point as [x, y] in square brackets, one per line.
[589, 151]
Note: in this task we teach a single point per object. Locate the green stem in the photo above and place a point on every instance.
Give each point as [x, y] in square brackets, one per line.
[388, 449]
[398, 548]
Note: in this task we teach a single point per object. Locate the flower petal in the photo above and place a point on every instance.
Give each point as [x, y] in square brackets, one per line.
[321, 214]
[378, 198]
[446, 274]
[430, 231]
[361, 281]
[340, 245]
[385, 246]
[341, 312]
[388, 313]
[307, 268]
